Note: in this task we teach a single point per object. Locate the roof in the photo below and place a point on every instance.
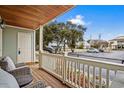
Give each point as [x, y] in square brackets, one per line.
[121, 38]
[31, 16]
[96, 40]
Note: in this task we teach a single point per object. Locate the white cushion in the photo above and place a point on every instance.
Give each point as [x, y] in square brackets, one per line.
[7, 80]
[11, 65]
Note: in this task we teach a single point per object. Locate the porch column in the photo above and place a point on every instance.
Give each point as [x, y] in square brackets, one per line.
[40, 46]
[0, 42]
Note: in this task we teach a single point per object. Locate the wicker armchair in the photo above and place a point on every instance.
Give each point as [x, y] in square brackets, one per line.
[20, 71]
[20, 65]
[23, 75]
[7, 80]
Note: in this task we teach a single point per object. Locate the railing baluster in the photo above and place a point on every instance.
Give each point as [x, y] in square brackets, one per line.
[61, 65]
[53, 60]
[52, 64]
[100, 77]
[75, 72]
[94, 77]
[79, 75]
[56, 65]
[107, 78]
[88, 73]
[71, 72]
[83, 75]
[66, 69]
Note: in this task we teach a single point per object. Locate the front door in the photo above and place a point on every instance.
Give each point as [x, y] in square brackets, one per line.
[24, 47]
[0, 42]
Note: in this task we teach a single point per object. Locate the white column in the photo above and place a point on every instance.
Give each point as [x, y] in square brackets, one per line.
[34, 43]
[0, 42]
[41, 39]
[40, 46]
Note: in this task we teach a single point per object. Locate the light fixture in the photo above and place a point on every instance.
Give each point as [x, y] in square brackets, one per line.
[2, 23]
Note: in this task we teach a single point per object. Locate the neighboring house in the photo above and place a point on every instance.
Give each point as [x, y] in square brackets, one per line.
[54, 44]
[86, 45]
[117, 43]
[78, 43]
[99, 43]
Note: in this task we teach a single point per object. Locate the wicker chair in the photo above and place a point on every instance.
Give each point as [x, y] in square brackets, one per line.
[20, 71]
[7, 80]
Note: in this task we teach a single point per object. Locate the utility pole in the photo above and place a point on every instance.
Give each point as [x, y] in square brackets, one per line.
[90, 40]
[99, 38]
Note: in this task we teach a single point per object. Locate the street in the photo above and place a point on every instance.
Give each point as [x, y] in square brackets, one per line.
[114, 56]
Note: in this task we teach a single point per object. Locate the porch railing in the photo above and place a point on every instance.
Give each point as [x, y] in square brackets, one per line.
[80, 72]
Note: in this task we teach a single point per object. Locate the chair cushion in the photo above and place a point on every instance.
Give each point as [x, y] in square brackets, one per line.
[24, 80]
[7, 80]
[7, 64]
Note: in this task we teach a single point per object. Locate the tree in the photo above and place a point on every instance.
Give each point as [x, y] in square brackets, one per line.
[75, 34]
[63, 33]
[48, 35]
[73, 37]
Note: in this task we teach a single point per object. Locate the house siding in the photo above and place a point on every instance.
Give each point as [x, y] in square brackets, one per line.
[10, 41]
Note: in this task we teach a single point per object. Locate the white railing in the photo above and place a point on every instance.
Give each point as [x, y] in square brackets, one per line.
[80, 72]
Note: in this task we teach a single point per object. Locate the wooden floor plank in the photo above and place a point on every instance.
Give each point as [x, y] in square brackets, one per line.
[39, 74]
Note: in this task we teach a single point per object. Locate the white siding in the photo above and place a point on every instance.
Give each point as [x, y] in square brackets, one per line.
[10, 42]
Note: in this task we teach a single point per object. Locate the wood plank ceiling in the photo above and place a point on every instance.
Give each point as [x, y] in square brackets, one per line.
[31, 16]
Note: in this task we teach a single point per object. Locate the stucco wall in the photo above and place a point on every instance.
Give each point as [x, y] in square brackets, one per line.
[10, 38]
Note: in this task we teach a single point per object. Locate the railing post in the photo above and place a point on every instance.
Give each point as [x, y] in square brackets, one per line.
[40, 59]
[64, 68]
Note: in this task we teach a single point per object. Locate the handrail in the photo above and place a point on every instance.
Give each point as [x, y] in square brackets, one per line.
[97, 63]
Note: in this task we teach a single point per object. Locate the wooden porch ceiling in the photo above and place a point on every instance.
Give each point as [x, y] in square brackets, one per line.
[31, 16]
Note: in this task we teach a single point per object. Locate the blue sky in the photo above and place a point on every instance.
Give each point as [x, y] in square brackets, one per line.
[105, 20]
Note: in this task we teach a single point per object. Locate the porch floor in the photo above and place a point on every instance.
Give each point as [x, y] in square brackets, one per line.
[39, 74]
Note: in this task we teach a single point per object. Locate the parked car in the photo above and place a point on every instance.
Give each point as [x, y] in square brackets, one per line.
[101, 50]
[93, 50]
[57, 49]
[49, 49]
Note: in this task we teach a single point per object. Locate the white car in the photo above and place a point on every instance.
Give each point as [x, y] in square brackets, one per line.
[93, 50]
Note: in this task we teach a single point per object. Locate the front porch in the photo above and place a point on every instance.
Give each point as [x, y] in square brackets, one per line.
[56, 70]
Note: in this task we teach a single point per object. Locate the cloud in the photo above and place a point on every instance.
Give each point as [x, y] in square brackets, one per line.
[79, 19]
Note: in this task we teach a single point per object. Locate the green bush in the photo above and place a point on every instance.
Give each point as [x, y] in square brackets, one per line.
[81, 46]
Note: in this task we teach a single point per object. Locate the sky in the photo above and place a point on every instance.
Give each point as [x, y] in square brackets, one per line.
[105, 20]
